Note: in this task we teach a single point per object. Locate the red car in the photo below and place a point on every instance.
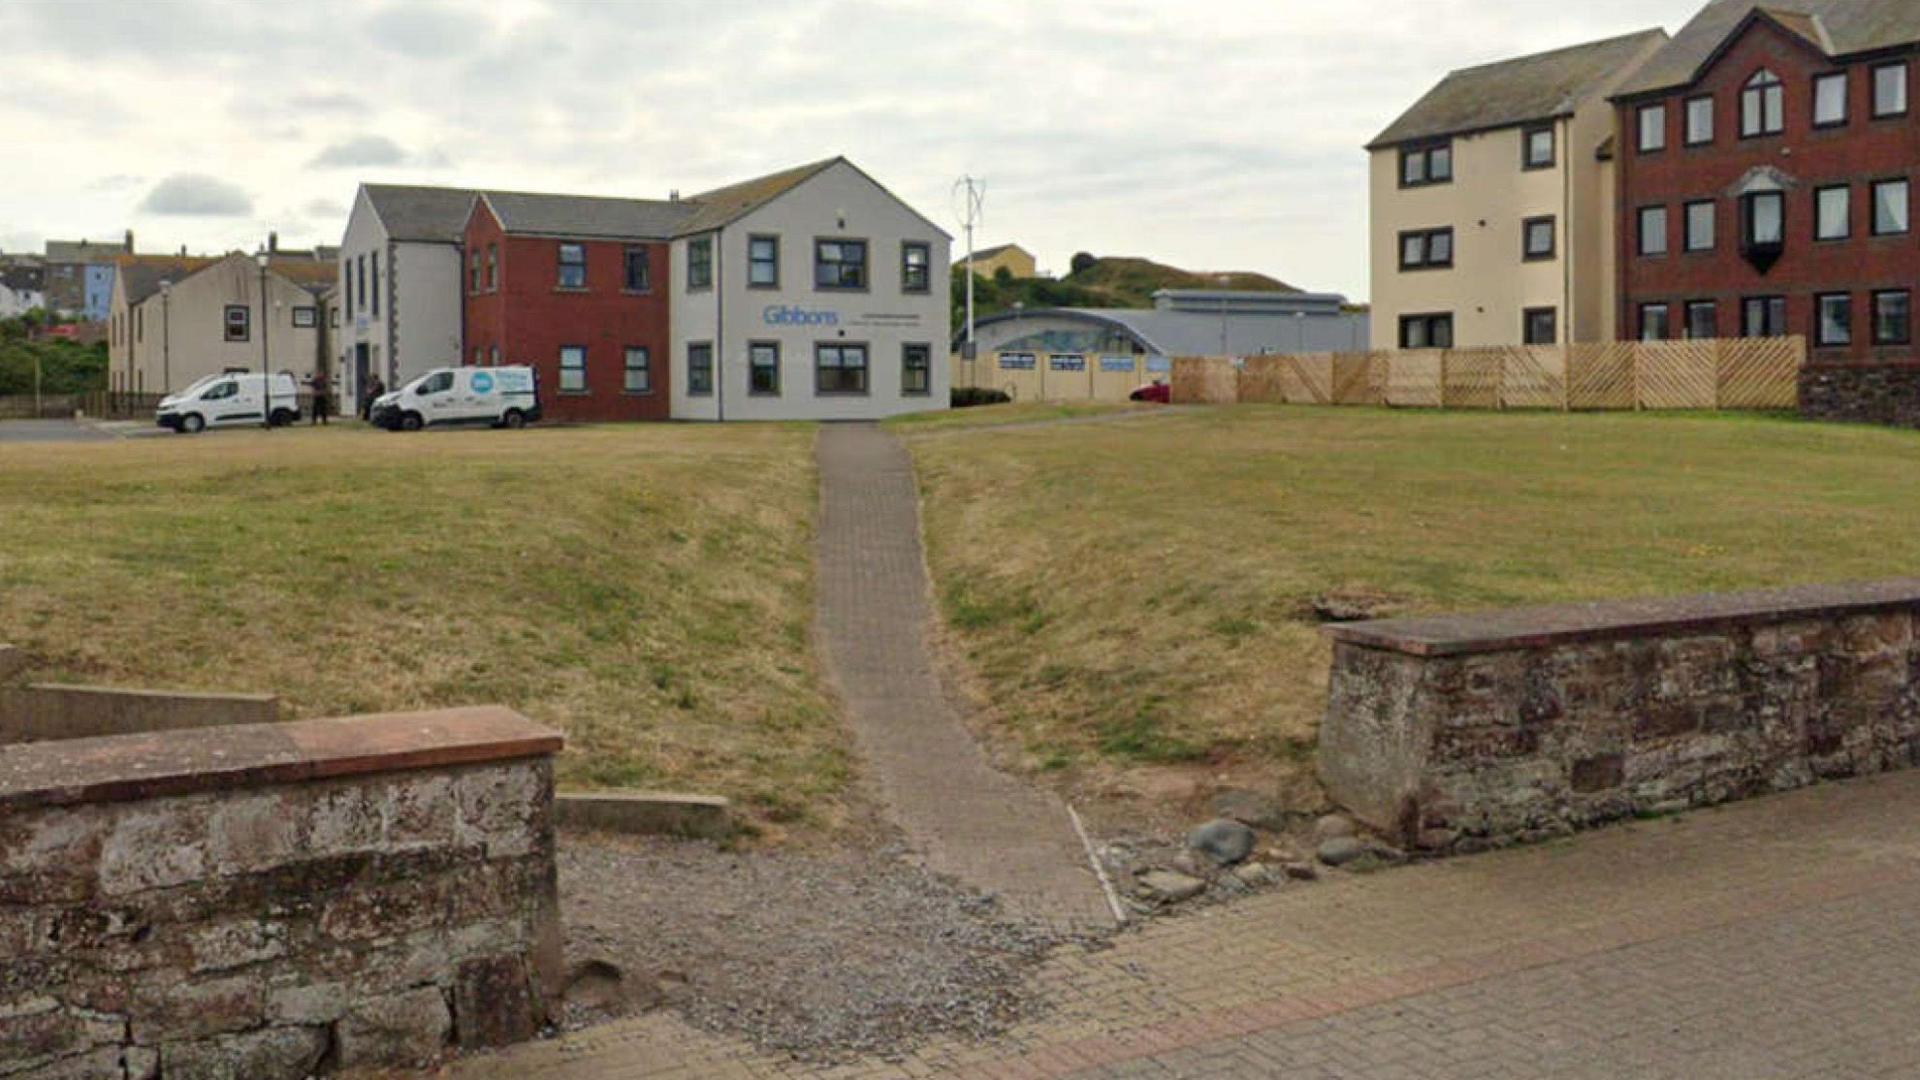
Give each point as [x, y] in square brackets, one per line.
[1157, 392]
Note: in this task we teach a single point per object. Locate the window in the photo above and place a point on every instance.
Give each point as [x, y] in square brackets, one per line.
[763, 262]
[333, 316]
[346, 286]
[1703, 319]
[637, 377]
[1426, 331]
[1426, 165]
[1833, 319]
[493, 267]
[700, 369]
[1653, 230]
[840, 264]
[916, 267]
[219, 391]
[477, 352]
[1655, 322]
[493, 356]
[1763, 316]
[1892, 317]
[1537, 238]
[1536, 148]
[573, 369]
[573, 266]
[700, 266]
[436, 384]
[306, 318]
[639, 275]
[375, 308]
[1890, 90]
[1699, 121]
[1653, 128]
[916, 369]
[1539, 326]
[1766, 219]
[1426, 249]
[1889, 207]
[1762, 105]
[1830, 100]
[1832, 213]
[1700, 226]
[763, 367]
[839, 368]
[361, 264]
[473, 273]
[239, 322]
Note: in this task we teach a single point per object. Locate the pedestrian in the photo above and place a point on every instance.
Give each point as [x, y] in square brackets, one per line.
[374, 389]
[321, 390]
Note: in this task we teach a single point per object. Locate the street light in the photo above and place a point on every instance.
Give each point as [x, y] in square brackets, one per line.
[166, 336]
[266, 372]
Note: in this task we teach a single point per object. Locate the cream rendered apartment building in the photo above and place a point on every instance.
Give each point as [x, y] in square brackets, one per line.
[1492, 203]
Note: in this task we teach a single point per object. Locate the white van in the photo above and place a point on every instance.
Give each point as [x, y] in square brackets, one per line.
[235, 398]
[494, 396]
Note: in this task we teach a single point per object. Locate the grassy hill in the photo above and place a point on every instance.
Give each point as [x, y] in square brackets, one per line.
[1114, 281]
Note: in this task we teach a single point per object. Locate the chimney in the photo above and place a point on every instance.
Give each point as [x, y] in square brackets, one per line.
[273, 243]
[129, 241]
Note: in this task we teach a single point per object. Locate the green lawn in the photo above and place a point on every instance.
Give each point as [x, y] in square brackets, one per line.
[648, 589]
[1138, 594]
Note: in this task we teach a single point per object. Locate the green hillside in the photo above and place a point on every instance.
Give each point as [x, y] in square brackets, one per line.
[1114, 281]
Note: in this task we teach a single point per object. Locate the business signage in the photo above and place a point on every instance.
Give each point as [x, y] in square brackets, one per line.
[1014, 361]
[1067, 362]
[795, 315]
[1116, 363]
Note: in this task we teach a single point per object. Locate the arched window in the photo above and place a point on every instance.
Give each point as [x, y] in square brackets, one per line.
[1762, 105]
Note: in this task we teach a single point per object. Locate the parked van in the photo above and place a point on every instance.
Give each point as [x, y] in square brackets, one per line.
[494, 396]
[236, 398]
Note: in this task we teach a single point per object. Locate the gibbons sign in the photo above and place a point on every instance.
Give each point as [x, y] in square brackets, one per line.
[794, 315]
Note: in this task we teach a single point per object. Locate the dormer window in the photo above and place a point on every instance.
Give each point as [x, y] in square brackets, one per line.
[1762, 105]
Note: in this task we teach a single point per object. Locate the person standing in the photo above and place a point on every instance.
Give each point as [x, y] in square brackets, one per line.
[374, 388]
[322, 392]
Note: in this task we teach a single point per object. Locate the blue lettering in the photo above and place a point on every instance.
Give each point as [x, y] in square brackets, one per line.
[789, 315]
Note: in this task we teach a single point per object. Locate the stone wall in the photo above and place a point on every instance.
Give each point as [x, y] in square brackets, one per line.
[1482, 729]
[41, 711]
[284, 900]
[1884, 393]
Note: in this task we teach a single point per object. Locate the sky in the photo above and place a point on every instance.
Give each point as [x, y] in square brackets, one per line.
[1213, 135]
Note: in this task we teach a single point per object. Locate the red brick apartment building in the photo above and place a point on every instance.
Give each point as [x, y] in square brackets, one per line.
[576, 288]
[1767, 165]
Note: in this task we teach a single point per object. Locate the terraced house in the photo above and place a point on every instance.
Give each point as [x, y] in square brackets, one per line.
[1767, 176]
[1491, 199]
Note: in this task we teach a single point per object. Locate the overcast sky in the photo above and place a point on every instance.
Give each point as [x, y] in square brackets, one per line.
[1212, 135]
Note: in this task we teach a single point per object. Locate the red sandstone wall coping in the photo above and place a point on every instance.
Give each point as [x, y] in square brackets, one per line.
[118, 768]
[1534, 627]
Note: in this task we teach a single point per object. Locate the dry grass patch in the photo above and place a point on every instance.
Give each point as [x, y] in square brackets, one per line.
[648, 589]
[1139, 595]
[1029, 412]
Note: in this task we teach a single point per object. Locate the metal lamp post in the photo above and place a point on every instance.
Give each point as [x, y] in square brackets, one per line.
[266, 372]
[166, 337]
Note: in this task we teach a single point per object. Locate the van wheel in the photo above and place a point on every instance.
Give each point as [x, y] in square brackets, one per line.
[282, 417]
[412, 421]
[192, 424]
[514, 420]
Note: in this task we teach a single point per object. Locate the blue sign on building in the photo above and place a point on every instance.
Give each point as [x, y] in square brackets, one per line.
[794, 315]
[1067, 362]
[1116, 363]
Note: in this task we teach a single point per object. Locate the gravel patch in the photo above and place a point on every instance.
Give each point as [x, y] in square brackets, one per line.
[825, 956]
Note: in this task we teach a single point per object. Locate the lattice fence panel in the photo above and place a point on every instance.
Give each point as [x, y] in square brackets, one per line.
[1600, 376]
[1760, 373]
[1359, 378]
[1535, 378]
[1413, 378]
[1473, 378]
[1676, 374]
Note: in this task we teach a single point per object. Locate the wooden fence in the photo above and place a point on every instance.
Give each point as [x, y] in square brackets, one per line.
[1727, 373]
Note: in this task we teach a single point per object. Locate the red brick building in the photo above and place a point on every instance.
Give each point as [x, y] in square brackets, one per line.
[575, 287]
[1768, 157]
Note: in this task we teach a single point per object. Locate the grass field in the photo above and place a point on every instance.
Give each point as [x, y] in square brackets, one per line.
[648, 589]
[1138, 594]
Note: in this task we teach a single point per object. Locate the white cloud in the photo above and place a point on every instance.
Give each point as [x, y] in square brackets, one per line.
[361, 151]
[197, 195]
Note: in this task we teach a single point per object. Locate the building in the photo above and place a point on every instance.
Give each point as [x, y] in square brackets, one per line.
[80, 275]
[576, 288]
[400, 283]
[1491, 220]
[22, 289]
[1014, 259]
[1766, 179]
[175, 320]
[809, 294]
[1106, 353]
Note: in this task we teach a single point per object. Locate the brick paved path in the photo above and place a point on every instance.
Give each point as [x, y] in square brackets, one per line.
[991, 830]
[1778, 938]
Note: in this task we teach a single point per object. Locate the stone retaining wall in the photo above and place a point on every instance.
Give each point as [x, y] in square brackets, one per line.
[40, 711]
[1886, 393]
[279, 901]
[1522, 724]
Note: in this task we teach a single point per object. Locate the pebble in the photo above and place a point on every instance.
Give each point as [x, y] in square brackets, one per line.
[1301, 871]
[1341, 850]
[1225, 842]
[1333, 827]
[1437, 839]
[1253, 874]
[1170, 887]
[1250, 808]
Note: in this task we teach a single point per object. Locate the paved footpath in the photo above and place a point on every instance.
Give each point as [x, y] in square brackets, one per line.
[991, 830]
[1778, 938]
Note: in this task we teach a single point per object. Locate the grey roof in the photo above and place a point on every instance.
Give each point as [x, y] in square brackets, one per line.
[431, 214]
[1847, 26]
[1322, 326]
[727, 204]
[1527, 88]
[23, 278]
[586, 215]
[85, 251]
[141, 275]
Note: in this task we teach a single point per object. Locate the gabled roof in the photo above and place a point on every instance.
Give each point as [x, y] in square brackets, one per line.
[432, 214]
[988, 253]
[727, 204]
[586, 215]
[141, 275]
[1835, 27]
[308, 272]
[84, 251]
[1527, 88]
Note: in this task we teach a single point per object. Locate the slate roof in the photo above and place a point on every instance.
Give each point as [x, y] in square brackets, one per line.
[1850, 26]
[84, 251]
[431, 214]
[586, 215]
[725, 204]
[1517, 91]
[141, 275]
